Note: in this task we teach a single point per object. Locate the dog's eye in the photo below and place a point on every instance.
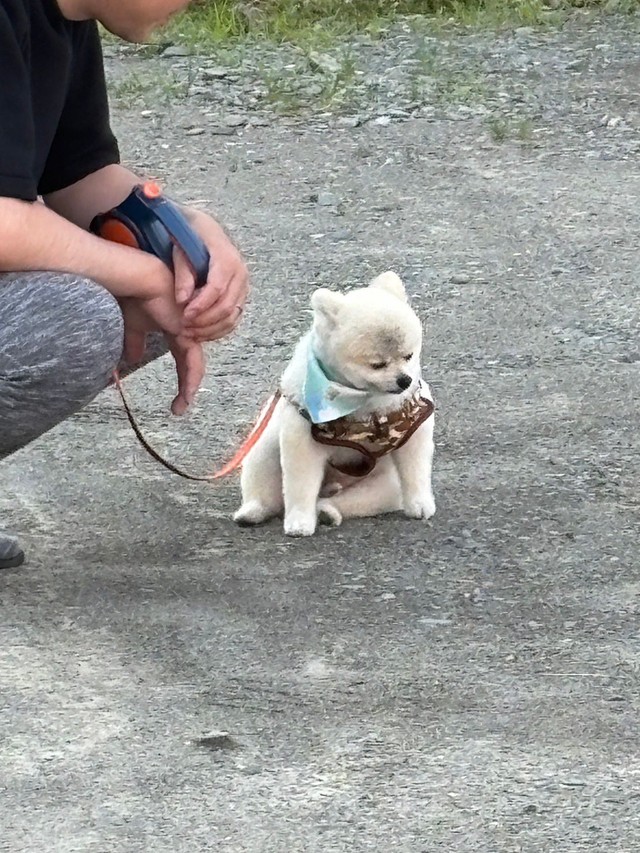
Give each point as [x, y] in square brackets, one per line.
[378, 365]
[408, 357]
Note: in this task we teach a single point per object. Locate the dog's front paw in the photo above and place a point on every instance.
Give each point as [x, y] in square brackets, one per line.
[328, 513]
[252, 512]
[422, 506]
[297, 523]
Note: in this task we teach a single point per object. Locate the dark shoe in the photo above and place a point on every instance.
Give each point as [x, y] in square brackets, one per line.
[11, 554]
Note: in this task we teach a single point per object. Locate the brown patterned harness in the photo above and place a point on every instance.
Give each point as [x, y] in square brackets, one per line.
[375, 435]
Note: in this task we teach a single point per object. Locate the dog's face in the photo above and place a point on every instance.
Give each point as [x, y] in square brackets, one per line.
[369, 338]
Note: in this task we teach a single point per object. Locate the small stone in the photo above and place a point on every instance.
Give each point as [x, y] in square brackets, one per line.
[317, 669]
[327, 199]
[460, 278]
[323, 62]
[147, 113]
[341, 234]
[216, 740]
[259, 121]
[530, 809]
[215, 73]
[615, 121]
[176, 50]
[195, 131]
[219, 130]
[383, 121]
[477, 596]
[349, 121]
[386, 596]
[235, 121]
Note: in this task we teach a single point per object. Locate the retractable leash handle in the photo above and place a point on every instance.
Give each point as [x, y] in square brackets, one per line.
[147, 220]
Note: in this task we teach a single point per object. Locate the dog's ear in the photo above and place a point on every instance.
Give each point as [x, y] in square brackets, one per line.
[390, 282]
[327, 304]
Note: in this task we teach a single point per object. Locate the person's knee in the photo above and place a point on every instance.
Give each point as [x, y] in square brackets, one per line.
[62, 340]
[93, 347]
[83, 339]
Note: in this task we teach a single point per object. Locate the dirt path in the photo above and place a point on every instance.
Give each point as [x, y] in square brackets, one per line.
[468, 685]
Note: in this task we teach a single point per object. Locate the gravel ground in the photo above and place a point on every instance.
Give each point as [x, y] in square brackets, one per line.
[169, 682]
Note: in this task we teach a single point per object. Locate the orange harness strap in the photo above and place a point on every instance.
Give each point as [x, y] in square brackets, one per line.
[261, 424]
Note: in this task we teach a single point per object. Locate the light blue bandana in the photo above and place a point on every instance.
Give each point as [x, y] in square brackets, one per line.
[324, 399]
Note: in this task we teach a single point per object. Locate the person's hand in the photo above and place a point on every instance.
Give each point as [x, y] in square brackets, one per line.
[190, 367]
[141, 316]
[215, 310]
[158, 314]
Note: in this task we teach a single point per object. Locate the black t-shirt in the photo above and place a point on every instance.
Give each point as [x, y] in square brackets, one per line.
[54, 116]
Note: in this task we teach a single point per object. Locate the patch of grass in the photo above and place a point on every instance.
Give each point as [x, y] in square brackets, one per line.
[282, 92]
[317, 22]
[460, 88]
[504, 13]
[424, 59]
[208, 22]
[339, 83]
[506, 129]
[289, 94]
[298, 21]
[139, 88]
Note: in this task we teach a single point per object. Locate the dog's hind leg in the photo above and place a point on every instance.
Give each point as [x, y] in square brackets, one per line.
[377, 493]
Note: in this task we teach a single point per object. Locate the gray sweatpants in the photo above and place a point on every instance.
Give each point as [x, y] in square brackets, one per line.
[60, 339]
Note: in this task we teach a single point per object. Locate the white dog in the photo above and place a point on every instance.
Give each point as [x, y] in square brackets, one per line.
[352, 430]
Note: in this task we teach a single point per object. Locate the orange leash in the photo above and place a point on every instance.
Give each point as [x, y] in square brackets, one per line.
[250, 441]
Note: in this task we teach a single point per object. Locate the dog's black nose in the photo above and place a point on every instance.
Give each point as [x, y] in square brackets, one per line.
[403, 381]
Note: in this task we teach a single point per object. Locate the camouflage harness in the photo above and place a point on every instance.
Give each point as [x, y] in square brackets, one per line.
[374, 435]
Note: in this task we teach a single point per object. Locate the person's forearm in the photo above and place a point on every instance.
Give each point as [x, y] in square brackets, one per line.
[101, 191]
[33, 237]
[94, 194]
